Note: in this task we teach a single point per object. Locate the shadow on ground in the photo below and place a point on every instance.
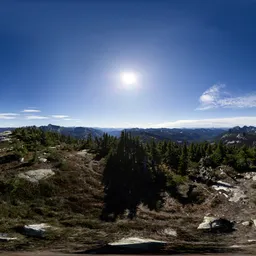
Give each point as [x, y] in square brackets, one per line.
[180, 249]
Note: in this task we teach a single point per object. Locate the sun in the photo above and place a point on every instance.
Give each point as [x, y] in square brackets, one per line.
[129, 78]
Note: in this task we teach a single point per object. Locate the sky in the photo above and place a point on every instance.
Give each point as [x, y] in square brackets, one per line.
[62, 62]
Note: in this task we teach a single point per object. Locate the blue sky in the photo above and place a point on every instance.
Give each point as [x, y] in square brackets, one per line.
[60, 63]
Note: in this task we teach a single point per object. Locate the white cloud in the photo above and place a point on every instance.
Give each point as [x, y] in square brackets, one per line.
[209, 123]
[8, 115]
[248, 101]
[72, 119]
[36, 117]
[59, 116]
[31, 111]
[214, 97]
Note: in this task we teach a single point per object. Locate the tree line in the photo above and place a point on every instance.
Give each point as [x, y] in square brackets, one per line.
[137, 172]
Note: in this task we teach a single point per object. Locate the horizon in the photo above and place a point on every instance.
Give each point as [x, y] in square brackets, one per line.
[123, 128]
[174, 64]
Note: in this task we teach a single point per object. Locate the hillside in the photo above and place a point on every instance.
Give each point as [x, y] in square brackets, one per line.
[239, 136]
[71, 199]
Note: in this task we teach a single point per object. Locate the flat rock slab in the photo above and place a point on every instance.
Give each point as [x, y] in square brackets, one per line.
[4, 238]
[36, 175]
[36, 230]
[250, 175]
[137, 243]
[170, 232]
[82, 152]
[206, 224]
[235, 193]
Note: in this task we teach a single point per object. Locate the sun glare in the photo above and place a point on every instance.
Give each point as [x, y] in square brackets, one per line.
[128, 78]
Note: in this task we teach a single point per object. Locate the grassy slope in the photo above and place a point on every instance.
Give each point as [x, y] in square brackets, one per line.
[72, 200]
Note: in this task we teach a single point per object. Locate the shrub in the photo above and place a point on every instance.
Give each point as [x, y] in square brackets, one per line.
[253, 185]
[54, 156]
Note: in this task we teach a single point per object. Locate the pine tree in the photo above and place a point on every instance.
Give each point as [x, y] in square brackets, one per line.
[219, 154]
[209, 150]
[183, 164]
[172, 155]
[192, 152]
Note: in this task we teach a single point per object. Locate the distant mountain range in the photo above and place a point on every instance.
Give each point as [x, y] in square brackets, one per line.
[76, 132]
[240, 135]
[177, 135]
[236, 135]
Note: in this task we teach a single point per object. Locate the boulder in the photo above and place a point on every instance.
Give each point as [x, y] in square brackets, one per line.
[254, 222]
[246, 223]
[36, 230]
[42, 159]
[216, 224]
[222, 225]
[36, 175]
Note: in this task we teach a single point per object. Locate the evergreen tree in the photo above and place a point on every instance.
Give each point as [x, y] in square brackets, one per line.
[219, 154]
[183, 164]
[172, 155]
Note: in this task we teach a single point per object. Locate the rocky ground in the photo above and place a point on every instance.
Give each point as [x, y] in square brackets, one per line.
[55, 203]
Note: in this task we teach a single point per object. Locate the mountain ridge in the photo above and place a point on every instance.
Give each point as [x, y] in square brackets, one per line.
[237, 134]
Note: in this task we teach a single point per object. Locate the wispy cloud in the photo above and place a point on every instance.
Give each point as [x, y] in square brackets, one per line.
[8, 115]
[215, 97]
[209, 123]
[72, 119]
[59, 116]
[36, 117]
[31, 111]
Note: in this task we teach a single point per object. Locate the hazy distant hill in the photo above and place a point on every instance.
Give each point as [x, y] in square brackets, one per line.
[178, 135]
[112, 131]
[6, 129]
